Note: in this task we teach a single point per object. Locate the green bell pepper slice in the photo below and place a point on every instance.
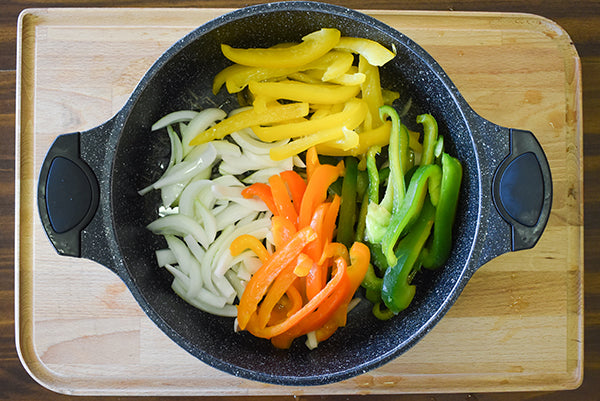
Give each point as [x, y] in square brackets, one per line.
[397, 292]
[347, 214]
[426, 179]
[438, 249]
[430, 130]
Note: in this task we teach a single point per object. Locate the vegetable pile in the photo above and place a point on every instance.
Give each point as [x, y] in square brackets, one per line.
[278, 213]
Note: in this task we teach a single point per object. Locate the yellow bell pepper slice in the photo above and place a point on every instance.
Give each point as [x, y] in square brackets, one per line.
[313, 46]
[237, 76]
[303, 92]
[349, 141]
[308, 77]
[301, 144]
[250, 118]
[335, 63]
[375, 53]
[350, 78]
[261, 104]
[379, 136]
[351, 116]
[371, 92]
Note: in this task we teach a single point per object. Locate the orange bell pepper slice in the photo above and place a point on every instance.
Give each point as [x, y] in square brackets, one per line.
[316, 191]
[279, 287]
[262, 279]
[305, 263]
[282, 200]
[359, 257]
[270, 331]
[317, 276]
[283, 230]
[296, 185]
[263, 192]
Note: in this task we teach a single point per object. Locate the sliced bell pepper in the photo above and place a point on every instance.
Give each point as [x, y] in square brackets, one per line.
[316, 191]
[260, 281]
[330, 219]
[247, 241]
[303, 92]
[379, 214]
[301, 144]
[359, 263]
[351, 116]
[345, 232]
[282, 200]
[236, 77]
[314, 320]
[375, 53]
[336, 281]
[379, 136]
[280, 286]
[282, 229]
[304, 265]
[398, 155]
[263, 192]
[316, 277]
[396, 291]
[426, 179]
[312, 162]
[371, 93]
[430, 129]
[313, 46]
[438, 250]
[296, 185]
[250, 118]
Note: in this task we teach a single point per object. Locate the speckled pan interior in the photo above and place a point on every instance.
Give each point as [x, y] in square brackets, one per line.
[181, 79]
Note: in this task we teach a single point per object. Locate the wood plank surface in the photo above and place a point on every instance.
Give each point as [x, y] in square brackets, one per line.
[16, 384]
[80, 330]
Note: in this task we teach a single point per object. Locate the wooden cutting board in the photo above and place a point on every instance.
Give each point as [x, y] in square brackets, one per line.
[518, 324]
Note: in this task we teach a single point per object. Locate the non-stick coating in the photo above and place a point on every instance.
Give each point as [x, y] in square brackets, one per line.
[181, 79]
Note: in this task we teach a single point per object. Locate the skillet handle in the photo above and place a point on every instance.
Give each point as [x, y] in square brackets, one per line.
[522, 189]
[68, 194]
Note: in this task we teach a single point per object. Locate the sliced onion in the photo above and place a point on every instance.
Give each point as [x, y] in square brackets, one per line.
[189, 195]
[178, 224]
[200, 123]
[227, 310]
[233, 213]
[238, 285]
[176, 156]
[203, 159]
[165, 257]
[174, 118]
[187, 263]
[234, 194]
[262, 175]
[248, 141]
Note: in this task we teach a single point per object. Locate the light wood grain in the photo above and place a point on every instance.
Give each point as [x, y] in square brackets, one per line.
[518, 323]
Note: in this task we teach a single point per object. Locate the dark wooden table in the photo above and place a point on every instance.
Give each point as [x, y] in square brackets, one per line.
[581, 19]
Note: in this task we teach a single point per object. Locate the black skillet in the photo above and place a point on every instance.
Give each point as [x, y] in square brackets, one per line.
[90, 207]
